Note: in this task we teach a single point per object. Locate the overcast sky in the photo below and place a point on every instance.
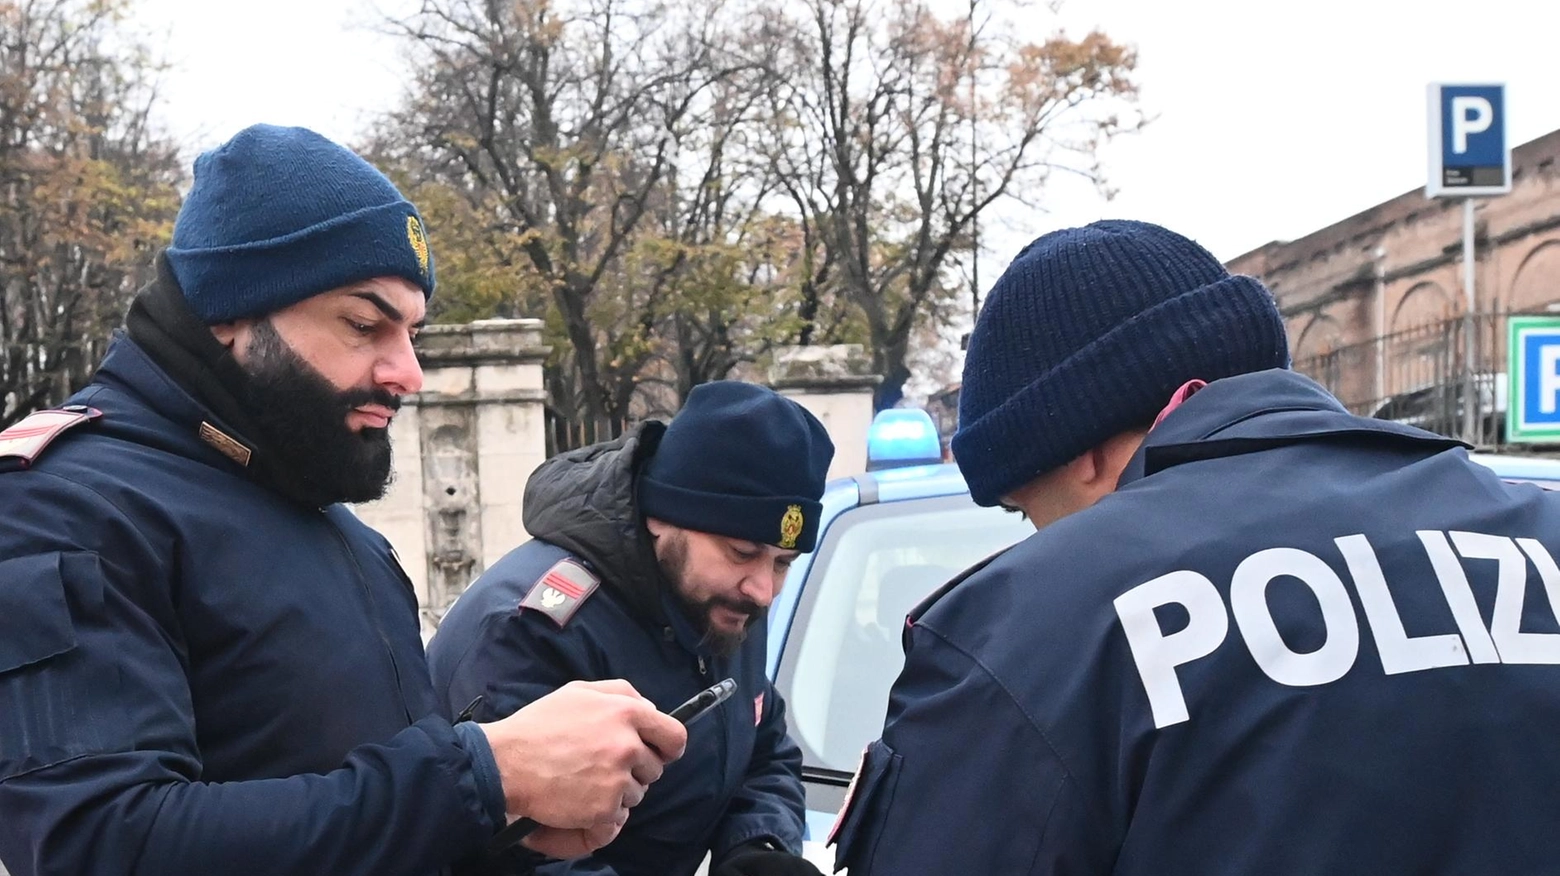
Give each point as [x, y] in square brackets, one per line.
[1272, 119]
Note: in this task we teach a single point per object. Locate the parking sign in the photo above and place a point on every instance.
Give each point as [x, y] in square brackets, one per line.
[1533, 409]
[1468, 152]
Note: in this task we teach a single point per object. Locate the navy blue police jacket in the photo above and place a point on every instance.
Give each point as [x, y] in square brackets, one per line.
[200, 676]
[512, 637]
[1294, 642]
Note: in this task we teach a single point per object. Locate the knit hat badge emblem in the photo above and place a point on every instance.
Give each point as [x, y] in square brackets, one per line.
[791, 526]
[419, 242]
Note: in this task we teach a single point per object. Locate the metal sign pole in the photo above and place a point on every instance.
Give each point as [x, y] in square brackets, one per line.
[1470, 400]
[1469, 158]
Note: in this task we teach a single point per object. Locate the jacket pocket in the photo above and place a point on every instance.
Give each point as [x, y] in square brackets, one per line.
[867, 802]
[35, 619]
[44, 717]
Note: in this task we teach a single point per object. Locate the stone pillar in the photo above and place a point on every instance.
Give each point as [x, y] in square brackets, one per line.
[836, 384]
[464, 448]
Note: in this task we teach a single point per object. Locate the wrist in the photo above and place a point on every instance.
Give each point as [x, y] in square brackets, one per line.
[484, 771]
[516, 798]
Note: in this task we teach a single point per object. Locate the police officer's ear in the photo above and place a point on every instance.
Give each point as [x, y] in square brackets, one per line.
[235, 336]
[1099, 469]
[1079, 483]
[658, 527]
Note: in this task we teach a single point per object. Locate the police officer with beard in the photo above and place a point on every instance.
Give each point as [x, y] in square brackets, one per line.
[654, 559]
[207, 663]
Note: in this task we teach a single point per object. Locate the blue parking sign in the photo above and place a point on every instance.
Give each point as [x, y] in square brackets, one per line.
[1533, 412]
[1468, 151]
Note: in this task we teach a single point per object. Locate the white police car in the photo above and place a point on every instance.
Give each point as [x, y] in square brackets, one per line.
[888, 538]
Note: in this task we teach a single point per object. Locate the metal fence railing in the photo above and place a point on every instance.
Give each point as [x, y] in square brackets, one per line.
[565, 433]
[1428, 376]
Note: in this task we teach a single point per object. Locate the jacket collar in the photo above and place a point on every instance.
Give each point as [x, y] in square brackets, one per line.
[1260, 411]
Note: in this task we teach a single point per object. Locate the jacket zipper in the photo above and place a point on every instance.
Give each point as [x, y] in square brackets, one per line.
[373, 607]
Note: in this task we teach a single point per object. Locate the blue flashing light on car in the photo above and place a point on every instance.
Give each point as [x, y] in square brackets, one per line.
[902, 437]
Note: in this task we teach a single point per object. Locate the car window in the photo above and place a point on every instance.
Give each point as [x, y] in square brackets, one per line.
[843, 653]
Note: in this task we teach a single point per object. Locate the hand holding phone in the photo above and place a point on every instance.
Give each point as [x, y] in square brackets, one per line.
[696, 707]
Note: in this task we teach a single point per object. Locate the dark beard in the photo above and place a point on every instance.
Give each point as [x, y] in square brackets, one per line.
[674, 566]
[303, 421]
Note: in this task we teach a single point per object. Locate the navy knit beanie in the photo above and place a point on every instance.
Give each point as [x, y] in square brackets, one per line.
[1087, 334]
[743, 461]
[278, 215]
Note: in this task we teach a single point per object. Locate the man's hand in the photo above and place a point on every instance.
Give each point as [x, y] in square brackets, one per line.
[579, 758]
[566, 844]
[759, 861]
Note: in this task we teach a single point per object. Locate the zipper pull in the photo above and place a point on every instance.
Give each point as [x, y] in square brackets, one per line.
[704, 669]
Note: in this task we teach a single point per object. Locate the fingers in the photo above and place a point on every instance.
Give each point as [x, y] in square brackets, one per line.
[565, 844]
[633, 796]
[601, 834]
[647, 768]
[615, 686]
[667, 736]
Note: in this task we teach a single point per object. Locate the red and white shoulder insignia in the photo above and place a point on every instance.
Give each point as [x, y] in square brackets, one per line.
[850, 797]
[561, 591]
[26, 440]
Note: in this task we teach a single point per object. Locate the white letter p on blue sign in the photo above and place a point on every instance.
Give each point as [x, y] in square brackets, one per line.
[1470, 115]
[1468, 152]
[1548, 378]
[1533, 369]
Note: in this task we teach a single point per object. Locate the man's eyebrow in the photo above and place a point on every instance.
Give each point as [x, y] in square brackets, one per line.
[385, 307]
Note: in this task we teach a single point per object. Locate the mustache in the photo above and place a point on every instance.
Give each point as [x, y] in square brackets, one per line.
[353, 398]
[742, 606]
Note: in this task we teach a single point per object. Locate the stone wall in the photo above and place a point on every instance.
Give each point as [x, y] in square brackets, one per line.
[464, 448]
[466, 444]
[836, 384]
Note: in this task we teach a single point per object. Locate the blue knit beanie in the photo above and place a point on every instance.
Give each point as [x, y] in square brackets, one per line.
[278, 215]
[1087, 334]
[743, 461]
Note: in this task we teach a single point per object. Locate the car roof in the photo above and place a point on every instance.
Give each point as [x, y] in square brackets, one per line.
[841, 495]
[1523, 468]
[925, 481]
[897, 484]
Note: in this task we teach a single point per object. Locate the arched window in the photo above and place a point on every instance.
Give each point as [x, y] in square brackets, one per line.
[1537, 284]
[1425, 303]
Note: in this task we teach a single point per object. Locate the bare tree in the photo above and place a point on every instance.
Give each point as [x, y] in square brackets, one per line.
[560, 124]
[678, 188]
[87, 191]
[728, 257]
[894, 130]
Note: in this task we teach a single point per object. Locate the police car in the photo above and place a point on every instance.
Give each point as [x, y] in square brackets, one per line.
[887, 539]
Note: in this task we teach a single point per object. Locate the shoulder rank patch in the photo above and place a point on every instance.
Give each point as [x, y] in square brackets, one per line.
[25, 441]
[560, 593]
[850, 797]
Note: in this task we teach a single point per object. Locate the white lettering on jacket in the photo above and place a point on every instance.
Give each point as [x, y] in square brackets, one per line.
[1159, 655]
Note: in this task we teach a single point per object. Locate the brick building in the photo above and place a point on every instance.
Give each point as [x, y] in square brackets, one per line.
[1374, 303]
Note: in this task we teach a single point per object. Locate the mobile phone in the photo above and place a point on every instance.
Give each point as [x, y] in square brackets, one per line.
[699, 705]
